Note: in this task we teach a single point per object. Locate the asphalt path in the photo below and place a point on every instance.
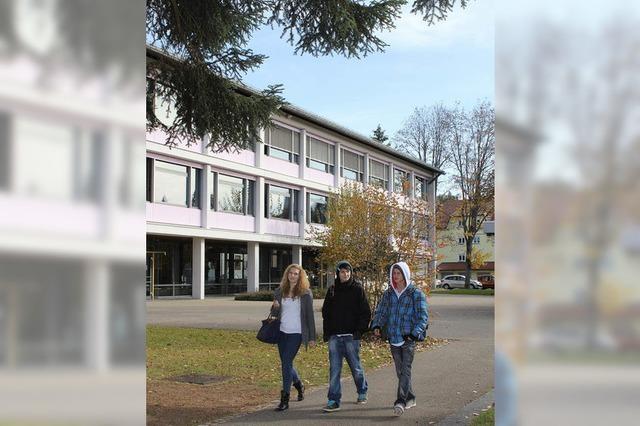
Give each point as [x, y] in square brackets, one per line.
[445, 379]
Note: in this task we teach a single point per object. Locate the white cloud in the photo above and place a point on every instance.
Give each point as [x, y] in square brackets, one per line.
[473, 25]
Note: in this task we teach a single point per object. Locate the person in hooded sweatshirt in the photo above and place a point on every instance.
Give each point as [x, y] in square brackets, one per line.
[402, 310]
[345, 317]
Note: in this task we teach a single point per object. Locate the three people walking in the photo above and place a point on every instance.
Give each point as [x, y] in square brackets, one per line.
[401, 312]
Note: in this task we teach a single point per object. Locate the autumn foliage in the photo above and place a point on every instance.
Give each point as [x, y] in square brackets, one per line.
[372, 229]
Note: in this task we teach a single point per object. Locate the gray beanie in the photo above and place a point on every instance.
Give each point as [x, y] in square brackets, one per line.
[343, 264]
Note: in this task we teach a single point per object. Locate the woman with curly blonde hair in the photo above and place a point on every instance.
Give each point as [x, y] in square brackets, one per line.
[293, 305]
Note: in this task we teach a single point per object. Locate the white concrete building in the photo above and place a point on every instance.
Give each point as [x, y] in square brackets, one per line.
[232, 222]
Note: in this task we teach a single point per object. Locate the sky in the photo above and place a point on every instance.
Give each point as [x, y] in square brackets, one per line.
[450, 61]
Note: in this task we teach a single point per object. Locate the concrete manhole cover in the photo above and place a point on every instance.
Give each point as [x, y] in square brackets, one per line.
[199, 379]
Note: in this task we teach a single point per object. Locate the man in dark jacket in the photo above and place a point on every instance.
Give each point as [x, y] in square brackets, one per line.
[345, 314]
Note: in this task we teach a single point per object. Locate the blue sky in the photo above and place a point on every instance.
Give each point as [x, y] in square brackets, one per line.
[450, 61]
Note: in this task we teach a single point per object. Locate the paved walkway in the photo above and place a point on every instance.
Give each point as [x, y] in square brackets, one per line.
[445, 379]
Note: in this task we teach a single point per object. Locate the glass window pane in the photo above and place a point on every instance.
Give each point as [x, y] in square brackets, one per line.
[230, 193]
[250, 198]
[281, 138]
[196, 175]
[317, 208]
[171, 182]
[277, 153]
[280, 202]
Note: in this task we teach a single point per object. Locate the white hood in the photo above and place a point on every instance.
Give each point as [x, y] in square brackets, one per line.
[405, 271]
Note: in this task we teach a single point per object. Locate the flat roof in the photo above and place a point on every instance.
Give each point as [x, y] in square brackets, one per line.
[321, 121]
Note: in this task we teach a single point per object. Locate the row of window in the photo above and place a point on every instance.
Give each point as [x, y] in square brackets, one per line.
[179, 185]
[476, 240]
[284, 144]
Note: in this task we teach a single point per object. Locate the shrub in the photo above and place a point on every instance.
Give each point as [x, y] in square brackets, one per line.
[267, 295]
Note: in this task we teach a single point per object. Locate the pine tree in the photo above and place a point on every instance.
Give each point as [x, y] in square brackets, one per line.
[380, 136]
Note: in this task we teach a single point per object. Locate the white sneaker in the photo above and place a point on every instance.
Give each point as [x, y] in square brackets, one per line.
[410, 403]
[398, 409]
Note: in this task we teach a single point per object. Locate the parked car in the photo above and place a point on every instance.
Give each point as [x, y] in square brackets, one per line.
[488, 281]
[457, 281]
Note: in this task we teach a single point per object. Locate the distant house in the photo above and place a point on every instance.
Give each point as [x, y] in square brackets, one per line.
[452, 244]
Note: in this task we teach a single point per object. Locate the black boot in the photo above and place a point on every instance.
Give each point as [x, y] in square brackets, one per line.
[284, 401]
[300, 388]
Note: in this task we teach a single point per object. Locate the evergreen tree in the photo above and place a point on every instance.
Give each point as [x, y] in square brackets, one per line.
[380, 136]
[202, 55]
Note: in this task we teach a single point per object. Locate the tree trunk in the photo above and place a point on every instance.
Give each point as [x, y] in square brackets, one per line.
[467, 279]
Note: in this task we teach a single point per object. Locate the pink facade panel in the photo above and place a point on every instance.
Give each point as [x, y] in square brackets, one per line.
[234, 222]
[242, 157]
[158, 136]
[64, 218]
[282, 227]
[173, 214]
[280, 166]
[318, 176]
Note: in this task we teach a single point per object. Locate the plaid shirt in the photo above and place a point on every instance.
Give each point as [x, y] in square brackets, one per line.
[405, 316]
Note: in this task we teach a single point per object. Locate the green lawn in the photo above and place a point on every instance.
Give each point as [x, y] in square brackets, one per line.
[486, 418]
[488, 292]
[173, 351]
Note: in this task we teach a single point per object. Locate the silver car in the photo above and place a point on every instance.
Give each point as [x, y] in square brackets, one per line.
[457, 281]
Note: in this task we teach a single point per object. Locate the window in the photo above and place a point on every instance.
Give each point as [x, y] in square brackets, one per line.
[282, 143]
[378, 174]
[420, 190]
[234, 195]
[462, 257]
[460, 240]
[176, 184]
[149, 179]
[401, 182]
[476, 240]
[281, 203]
[316, 208]
[352, 166]
[320, 155]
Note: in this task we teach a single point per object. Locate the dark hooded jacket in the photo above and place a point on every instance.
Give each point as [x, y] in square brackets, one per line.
[345, 310]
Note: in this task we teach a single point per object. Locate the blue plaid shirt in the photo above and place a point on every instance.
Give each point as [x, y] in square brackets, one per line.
[404, 316]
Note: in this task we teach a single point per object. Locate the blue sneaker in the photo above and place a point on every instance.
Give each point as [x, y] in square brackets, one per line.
[331, 407]
[362, 398]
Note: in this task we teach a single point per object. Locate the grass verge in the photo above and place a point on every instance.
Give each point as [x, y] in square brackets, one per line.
[486, 418]
[252, 368]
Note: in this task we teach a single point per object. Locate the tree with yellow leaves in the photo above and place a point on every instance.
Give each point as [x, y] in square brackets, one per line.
[372, 229]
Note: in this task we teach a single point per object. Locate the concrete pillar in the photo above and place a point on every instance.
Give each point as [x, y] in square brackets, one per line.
[97, 278]
[206, 192]
[336, 176]
[259, 152]
[303, 153]
[390, 188]
[431, 199]
[366, 169]
[296, 254]
[259, 205]
[412, 184]
[302, 211]
[197, 290]
[205, 141]
[253, 268]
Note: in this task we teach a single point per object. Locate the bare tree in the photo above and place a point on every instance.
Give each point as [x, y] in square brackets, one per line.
[426, 135]
[473, 157]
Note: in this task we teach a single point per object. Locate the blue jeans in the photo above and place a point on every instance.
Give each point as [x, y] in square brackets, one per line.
[288, 346]
[344, 348]
[403, 358]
